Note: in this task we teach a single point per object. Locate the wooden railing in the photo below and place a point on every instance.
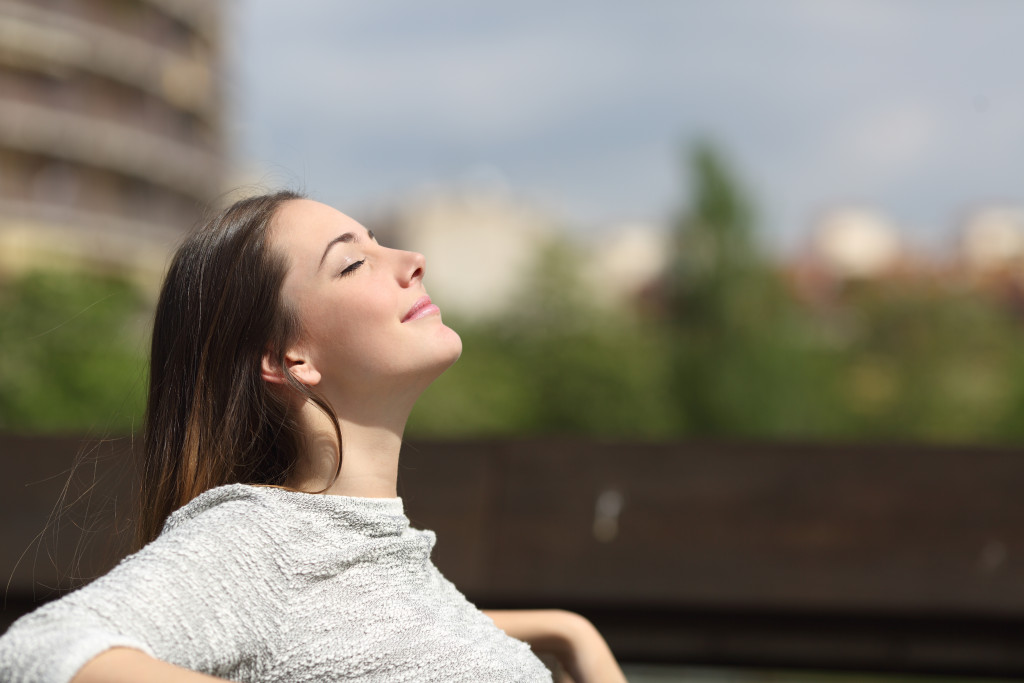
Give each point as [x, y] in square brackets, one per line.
[891, 558]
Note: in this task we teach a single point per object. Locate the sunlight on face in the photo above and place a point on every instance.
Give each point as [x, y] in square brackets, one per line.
[367, 324]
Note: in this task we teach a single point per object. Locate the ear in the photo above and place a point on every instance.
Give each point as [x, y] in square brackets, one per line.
[297, 363]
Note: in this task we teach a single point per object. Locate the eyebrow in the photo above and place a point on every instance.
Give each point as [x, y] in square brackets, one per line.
[346, 238]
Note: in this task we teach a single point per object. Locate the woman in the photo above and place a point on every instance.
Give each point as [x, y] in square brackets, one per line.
[288, 350]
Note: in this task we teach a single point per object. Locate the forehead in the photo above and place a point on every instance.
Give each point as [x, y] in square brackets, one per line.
[303, 228]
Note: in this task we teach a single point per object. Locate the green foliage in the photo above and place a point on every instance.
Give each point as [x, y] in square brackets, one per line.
[927, 362]
[737, 335]
[733, 353]
[555, 364]
[73, 353]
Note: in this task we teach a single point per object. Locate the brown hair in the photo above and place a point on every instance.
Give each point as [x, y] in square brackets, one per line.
[210, 417]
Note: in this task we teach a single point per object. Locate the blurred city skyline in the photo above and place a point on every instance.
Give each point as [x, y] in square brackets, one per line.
[913, 109]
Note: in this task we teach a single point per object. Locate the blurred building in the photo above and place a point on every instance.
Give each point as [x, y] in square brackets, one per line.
[626, 262]
[848, 244]
[853, 243]
[992, 239]
[110, 131]
[483, 246]
[480, 246]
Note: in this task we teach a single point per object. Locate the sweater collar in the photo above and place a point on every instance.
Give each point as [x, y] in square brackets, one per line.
[369, 516]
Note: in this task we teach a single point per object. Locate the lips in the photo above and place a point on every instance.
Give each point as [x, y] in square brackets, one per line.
[421, 308]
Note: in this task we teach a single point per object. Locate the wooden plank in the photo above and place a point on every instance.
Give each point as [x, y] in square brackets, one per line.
[917, 530]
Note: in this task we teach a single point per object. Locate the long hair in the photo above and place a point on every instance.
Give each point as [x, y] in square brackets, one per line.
[210, 417]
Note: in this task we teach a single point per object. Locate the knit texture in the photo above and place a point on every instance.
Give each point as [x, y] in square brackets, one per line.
[260, 584]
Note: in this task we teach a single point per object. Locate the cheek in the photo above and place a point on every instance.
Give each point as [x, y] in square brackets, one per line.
[347, 338]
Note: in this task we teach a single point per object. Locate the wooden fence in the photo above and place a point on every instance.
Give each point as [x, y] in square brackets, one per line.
[889, 558]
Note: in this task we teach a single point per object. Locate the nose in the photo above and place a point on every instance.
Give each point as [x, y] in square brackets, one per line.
[412, 269]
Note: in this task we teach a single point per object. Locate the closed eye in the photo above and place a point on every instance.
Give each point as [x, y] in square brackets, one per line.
[352, 268]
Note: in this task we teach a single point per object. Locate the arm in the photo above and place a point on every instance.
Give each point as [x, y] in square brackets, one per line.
[566, 635]
[124, 665]
[201, 597]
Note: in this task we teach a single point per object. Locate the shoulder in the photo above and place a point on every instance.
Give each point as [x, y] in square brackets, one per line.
[241, 512]
[227, 539]
[218, 550]
[220, 527]
[223, 504]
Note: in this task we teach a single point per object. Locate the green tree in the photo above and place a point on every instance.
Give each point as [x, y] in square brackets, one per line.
[744, 356]
[73, 353]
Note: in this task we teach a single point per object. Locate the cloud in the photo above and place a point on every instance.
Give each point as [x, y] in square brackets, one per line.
[590, 102]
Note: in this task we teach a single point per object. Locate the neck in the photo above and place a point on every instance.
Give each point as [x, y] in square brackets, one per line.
[369, 456]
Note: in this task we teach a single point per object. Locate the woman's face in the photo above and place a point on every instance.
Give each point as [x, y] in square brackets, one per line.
[367, 324]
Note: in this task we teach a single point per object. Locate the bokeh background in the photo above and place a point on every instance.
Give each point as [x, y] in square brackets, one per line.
[796, 221]
[664, 220]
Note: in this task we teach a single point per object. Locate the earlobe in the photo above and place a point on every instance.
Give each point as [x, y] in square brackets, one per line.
[271, 371]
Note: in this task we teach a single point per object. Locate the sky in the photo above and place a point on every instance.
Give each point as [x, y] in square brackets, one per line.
[914, 108]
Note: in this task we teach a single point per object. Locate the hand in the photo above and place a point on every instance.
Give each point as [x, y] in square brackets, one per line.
[585, 655]
[571, 638]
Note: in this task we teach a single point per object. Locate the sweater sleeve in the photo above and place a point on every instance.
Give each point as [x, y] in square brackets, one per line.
[208, 595]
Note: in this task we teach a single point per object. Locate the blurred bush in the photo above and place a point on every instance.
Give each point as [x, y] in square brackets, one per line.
[72, 353]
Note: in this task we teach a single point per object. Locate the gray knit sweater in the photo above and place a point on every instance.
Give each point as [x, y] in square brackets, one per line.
[261, 584]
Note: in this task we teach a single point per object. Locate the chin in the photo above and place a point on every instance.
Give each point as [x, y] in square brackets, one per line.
[454, 350]
[445, 350]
